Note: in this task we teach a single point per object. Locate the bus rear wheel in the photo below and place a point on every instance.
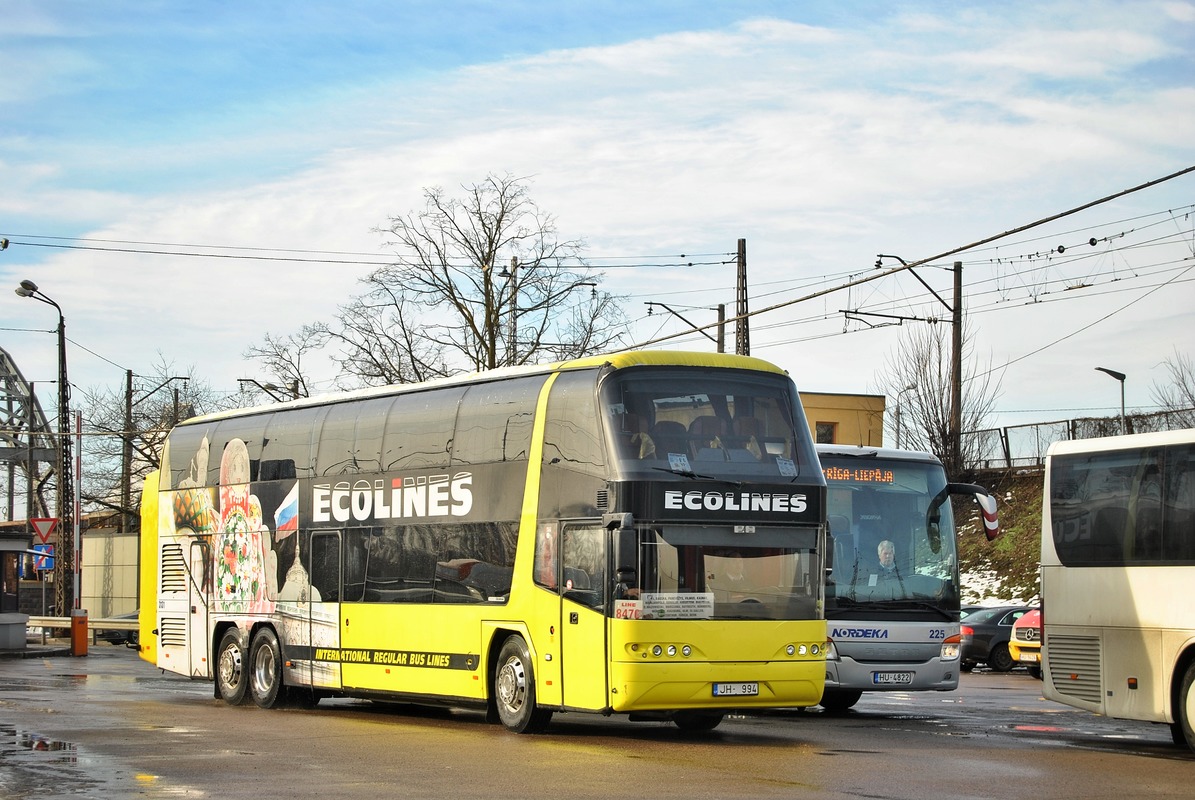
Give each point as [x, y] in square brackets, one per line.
[232, 674]
[265, 669]
[514, 689]
[1183, 727]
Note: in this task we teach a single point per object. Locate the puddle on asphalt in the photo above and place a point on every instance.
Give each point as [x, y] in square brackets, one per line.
[15, 741]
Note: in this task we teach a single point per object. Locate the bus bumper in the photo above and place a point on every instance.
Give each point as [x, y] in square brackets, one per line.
[934, 675]
[656, 686]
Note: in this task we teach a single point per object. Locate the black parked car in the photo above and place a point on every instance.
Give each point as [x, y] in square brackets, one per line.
[985, 637]
[128, 638]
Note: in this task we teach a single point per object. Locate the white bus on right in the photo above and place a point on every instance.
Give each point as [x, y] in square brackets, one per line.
[1118, 577]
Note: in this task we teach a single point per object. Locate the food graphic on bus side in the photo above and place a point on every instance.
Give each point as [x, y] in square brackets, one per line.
[241, 566]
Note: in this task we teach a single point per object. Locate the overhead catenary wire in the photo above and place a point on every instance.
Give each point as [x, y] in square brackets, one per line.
[921, 262]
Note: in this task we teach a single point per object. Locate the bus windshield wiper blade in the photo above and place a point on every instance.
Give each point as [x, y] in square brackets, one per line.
[908, 603]
[691, 475]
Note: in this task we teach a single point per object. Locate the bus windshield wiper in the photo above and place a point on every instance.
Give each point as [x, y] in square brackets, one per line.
[921, 604]
[691, 475]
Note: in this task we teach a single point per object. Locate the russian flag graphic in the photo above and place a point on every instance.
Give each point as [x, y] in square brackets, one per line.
[286, 518]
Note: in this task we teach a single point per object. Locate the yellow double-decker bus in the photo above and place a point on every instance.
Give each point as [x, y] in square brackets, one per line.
[636, 534]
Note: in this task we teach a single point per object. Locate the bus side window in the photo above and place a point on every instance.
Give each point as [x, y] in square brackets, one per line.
[582, 560]
[545, 555]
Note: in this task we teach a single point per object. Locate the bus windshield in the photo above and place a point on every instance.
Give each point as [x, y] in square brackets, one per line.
[700, 573]
[893, 535]
[698, 424]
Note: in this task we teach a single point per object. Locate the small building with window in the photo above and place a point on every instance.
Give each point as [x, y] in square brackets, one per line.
[856, 419]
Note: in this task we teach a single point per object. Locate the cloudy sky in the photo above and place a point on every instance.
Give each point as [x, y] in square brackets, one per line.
[822, 133]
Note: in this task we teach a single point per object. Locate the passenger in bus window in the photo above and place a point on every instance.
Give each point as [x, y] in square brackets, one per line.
[728, 579]
[886, 552]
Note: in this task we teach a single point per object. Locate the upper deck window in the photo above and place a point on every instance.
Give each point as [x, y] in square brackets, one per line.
[709, 422]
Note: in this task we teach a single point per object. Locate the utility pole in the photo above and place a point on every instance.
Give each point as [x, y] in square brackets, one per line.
[126, 455]
[954, 434]
[721, 327]
[512, 356]
[742, 336]
[956, 375]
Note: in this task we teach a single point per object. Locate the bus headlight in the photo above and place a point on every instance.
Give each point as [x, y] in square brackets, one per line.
[950, 648]
[671, 650]
[686, 651]
[656, 650]
[831, 650]
[790, 649]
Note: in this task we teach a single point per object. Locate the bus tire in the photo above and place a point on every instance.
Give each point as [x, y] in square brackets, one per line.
[697, 721]
[514, 689]
[840, 699]
[265, 669]
[1183, 728]
[232, 669]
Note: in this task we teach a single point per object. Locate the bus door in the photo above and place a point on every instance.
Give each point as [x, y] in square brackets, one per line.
[318, 607]
[184, 582]
[199, 587]
[584, 586]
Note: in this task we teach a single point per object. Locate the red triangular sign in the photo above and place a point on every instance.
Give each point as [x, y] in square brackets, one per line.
[44, 527]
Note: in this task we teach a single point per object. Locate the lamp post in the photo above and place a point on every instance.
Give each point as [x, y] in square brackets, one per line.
[1120, 376]
[270, 389]
[64, 561]
[911, 387]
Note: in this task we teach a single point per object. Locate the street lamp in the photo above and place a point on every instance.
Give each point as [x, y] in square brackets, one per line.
[270, 389]
[1120, 376]
[64, 560]
[911, 387]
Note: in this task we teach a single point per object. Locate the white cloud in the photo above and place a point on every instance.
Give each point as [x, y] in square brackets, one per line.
[821, 147]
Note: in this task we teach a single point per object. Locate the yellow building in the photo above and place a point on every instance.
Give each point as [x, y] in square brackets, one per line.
[845, 418]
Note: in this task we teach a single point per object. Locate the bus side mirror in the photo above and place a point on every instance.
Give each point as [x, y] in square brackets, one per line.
[987, 506]
[991, 522]
[625, 551]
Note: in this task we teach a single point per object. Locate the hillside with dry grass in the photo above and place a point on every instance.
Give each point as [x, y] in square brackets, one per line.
[1006, 569]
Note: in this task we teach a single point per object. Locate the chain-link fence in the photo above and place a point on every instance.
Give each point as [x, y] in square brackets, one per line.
[1024, 446]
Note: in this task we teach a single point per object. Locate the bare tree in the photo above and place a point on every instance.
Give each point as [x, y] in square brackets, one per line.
[1178, 396]
[116, 419]
[281, 357]
[922, 361]
[480, 282]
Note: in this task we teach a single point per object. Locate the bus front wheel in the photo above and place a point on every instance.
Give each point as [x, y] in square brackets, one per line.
[514, 689]
[232, 673]
[265, 669]
[1183, 727]
[840, 699]
[697, 721]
